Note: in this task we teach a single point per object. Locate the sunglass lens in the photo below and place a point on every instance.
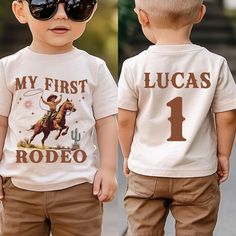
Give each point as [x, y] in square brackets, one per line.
[80, 10]
[42, 9]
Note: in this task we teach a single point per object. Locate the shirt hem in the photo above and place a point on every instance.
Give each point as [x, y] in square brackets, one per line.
[225, 107]
[129, 108]
[173, 173]
[4, 114]
[106, 114]
[51, 187]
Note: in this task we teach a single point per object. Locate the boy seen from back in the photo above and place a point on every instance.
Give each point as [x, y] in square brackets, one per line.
[175, 156]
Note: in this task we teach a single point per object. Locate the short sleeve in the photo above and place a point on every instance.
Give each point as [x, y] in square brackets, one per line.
[5, 94]
[225, 95]
[105, 94]
[127, 95]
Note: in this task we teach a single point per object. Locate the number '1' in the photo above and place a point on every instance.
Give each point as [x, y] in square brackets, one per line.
[176, 119]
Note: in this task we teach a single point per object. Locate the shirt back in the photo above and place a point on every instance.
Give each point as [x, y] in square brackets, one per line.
[175, 90]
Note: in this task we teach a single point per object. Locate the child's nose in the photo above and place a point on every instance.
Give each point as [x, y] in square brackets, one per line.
[61, 14]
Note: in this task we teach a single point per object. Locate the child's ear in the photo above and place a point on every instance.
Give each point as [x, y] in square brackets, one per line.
[94, 9]
[142, 16]
[18, 10]
[201, 14]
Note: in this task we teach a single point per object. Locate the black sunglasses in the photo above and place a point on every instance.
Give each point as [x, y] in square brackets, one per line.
[76, 10]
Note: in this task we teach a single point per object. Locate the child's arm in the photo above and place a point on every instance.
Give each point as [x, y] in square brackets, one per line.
[45, 102]
[105, 183]
[126, 123]
[3, 132]
[59, 100]
[225, 127]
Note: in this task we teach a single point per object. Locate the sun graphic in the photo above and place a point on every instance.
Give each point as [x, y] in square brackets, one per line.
[28, 104]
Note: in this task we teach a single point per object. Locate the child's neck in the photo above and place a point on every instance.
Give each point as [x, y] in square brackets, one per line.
[172, 36]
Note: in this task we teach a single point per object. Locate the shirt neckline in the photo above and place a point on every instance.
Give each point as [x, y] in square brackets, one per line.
[174, 48]
[42, 56]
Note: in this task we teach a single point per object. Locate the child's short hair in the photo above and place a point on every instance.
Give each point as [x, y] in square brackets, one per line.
[171, 13]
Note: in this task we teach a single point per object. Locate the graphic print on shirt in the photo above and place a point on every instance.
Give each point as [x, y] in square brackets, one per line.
[55, 119]
[177, 80]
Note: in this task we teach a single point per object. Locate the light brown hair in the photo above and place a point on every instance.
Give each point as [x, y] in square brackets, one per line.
[171, 13]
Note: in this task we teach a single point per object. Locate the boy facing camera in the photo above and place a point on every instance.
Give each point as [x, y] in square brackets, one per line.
[49, 174]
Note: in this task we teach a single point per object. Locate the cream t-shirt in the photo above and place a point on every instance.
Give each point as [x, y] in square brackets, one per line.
[175, 89]
[75, 89]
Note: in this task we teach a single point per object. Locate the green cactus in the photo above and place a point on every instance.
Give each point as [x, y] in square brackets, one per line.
[75, 135]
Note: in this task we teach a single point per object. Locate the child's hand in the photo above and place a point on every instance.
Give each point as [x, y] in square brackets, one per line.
[105, 185]
[125, 167]
[223, 169]
[1, 189]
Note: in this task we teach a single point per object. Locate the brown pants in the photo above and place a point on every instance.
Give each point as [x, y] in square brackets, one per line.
[194, 204]
[69, 212]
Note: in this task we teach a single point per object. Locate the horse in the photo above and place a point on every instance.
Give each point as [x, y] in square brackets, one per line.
[58, 123]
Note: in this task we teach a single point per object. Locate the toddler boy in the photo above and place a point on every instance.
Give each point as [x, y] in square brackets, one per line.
[50, 178]
[174, 155]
